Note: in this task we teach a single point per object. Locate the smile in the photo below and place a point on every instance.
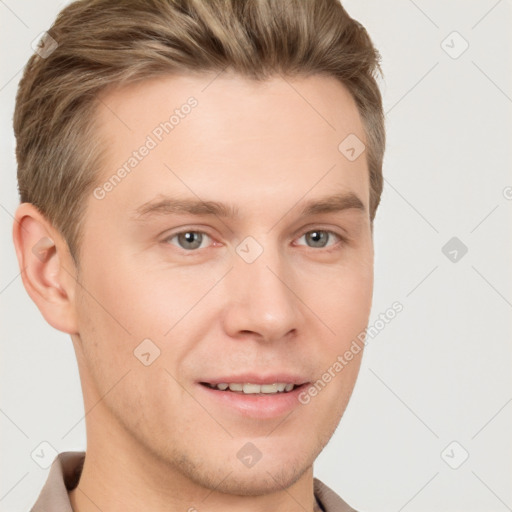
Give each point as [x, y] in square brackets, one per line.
[249, 389]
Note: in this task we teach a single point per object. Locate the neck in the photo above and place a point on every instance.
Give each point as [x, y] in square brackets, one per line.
[121, 475]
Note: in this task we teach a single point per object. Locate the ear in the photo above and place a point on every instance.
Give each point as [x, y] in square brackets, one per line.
[47, 268]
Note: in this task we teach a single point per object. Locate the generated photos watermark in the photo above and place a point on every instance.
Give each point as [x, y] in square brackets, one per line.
[156, 136]
[360, 341]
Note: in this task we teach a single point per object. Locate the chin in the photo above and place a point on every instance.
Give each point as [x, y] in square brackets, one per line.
[258, 482]
[226, 474]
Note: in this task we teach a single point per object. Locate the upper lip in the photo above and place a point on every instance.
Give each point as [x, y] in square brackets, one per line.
[254, 378]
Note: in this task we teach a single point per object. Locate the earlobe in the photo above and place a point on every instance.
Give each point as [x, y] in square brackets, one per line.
[46, 266]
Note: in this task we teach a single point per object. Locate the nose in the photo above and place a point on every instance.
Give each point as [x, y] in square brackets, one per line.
[262, 301]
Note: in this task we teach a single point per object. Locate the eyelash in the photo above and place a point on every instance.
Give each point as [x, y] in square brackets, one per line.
[341, 242]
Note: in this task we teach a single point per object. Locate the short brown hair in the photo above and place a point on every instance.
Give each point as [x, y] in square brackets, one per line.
[102, 43]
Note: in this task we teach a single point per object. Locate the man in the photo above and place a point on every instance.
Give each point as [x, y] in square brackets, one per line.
[198, 184]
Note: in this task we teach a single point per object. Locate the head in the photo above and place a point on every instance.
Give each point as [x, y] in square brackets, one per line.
[190, 212]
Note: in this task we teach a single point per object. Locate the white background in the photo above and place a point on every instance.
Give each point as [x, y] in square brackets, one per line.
[440, 371]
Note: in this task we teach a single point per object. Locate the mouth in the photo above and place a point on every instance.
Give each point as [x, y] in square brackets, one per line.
[257, 401]
[248, 388]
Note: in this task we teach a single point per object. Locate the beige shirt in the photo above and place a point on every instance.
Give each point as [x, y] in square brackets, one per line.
[67, 468]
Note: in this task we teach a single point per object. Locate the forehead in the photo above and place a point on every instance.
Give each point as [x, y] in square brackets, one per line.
[269, 139]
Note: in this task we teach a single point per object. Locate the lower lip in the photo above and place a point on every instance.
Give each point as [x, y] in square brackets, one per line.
[257, 406]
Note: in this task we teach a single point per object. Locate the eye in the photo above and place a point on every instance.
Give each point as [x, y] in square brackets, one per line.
[188, 240]
[319, 238]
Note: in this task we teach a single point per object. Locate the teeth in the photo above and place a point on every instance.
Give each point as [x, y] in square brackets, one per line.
[250, 389]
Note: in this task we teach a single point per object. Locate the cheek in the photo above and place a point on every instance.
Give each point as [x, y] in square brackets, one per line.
[111, 322]
[124, 303]
[347, 301]
[121, 307]
[345, 309]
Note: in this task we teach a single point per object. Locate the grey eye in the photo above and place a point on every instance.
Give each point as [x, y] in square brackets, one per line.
[317, 238]
[189, 240]
[320, 238]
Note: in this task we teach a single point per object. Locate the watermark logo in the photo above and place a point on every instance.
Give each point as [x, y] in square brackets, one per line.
[249, 455]
[44, 45]
[41, 248]
[454, 45]
[249, 249]
[44, 454]
[351, 147]
[454, 249]
[455, 455]
[146, 352]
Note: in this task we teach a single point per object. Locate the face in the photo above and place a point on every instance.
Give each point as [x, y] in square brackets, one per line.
[237, 248]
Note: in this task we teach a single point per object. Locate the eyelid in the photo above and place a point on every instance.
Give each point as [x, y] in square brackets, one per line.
[335, 230]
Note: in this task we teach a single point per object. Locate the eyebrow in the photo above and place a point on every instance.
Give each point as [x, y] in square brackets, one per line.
[170, 205]
[165, 205]
[334, 203]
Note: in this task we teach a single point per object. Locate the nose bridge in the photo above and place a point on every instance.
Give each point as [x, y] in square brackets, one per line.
[261, 297]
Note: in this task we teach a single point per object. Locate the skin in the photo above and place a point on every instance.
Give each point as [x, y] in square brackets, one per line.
[154, 440]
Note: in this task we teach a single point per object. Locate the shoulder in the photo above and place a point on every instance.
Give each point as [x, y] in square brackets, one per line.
[64, 475]
[329, 500]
